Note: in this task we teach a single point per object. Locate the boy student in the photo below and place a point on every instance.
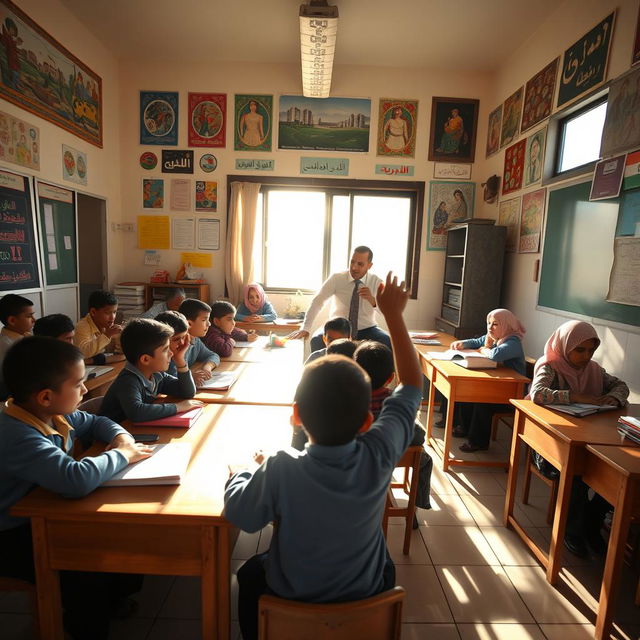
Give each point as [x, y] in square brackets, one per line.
[37, 428]
[16, 314]
[55, 325]
[333, 329]
[96, 331]
[146, 345]
[199, 358]
[174, 298]
[222, 334]
[329, 500]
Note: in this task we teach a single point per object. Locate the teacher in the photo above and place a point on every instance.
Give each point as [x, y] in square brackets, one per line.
[352, 295]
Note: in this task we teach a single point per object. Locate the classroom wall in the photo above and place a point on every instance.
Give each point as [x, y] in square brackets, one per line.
[620, 348]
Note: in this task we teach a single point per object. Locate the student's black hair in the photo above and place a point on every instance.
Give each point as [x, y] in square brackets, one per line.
[53, 325]
[172, 293]
[174, 319]
[142, 337]
[54, 358]
[341, 325]
[377, 360]
[221, 308]
[363, 249]
[12, 305]
[333, 399]
[191, 308]
[342, 346]
[101, 298]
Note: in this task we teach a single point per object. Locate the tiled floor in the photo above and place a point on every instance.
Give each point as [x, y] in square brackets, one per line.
[467, 577]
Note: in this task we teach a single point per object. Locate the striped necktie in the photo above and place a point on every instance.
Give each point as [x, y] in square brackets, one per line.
[353, 309]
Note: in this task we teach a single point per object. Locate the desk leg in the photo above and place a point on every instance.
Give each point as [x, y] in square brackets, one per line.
[448, 427]
[615, 555]
[209, 583]
[224, 582]
[432, 395]
[514, 465]
[47, 585]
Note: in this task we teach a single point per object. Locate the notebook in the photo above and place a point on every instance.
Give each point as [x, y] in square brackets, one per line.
[93, 371]
[423, 335]
[167, 465]
[185, 420]
[580, 409]
[428, 342]
[219, 381]
[465, 358]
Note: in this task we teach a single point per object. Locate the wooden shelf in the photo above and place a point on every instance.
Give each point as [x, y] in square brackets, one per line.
[455, 256]
[451, 306]
[453, 284]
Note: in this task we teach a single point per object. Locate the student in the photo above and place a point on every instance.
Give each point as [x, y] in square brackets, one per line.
[37, 428]
[55, 325]
[329, 500]
[342, 347]
[502, 343]
[16, 314]
[222, 334]
[200, 359]
[96, 331]
[255, 306]
[174, 298]
[333, 329]
[563, 375]
[133, 393]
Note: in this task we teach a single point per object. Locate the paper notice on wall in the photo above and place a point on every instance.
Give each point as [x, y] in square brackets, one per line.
[151, 258]
[183, 233]
[48, 219]
[67, 243]
[53, 262]
[624, 284]
[51, 243]
[154, 232]
[201, 260]
[180, 195]
[209, 234]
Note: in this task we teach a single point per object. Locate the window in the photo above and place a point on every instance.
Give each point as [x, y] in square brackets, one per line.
[305, 232]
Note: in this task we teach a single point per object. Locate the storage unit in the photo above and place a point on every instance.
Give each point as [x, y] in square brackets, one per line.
[472, 278]
[158, 292]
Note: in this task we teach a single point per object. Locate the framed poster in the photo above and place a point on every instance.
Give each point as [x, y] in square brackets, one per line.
[538, 96]
[206, 196]
[159, 117]
[42, 76]
[449, 202]
[493, 131]
[534, 157]
[19, 142]
[253, 123]
[509, 216]
[607, 178]
[397, 122]
[511, 111]
[454, 122]
[531, 221]
[74, 165]
[177, 161]
[152, 194]
[621, 130]
[207, 124]
[513, 167]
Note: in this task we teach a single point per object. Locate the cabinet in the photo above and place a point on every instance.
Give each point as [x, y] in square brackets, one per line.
[472, 278]
[157, 292]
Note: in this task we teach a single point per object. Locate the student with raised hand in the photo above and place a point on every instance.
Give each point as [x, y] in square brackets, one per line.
[255, 307]
[38, 426]
[328, 501]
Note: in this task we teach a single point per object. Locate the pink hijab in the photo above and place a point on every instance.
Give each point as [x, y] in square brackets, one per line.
[508, 325]
[260, 291]
[564, 340]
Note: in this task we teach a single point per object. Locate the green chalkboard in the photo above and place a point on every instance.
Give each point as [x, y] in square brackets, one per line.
[578, 254]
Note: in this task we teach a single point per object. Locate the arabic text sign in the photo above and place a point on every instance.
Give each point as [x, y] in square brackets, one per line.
[254, 164]
[324, 166]
[394, 170]
[451, 171]
[178, 161]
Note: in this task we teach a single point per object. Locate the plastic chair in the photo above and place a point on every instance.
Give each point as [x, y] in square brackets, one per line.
[376, 618]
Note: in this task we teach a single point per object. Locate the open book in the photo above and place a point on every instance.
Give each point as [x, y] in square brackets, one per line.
[185, 420]
[581, 409]
[167, 465]
[93, 371]
[465, 358]
[219, 381]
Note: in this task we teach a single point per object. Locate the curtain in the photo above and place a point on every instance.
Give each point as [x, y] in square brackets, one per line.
[240, 231]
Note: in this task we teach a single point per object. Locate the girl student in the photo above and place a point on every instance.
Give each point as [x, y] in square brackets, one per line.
[566, 374]
[255, 307]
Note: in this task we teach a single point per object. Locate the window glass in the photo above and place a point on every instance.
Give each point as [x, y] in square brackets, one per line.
[581, 138]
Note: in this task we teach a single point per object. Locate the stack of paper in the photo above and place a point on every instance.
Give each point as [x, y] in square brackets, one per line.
[580, 409]
[466, 358]
[629, 427]
[93, 371]
[219, 381]
[130, 299]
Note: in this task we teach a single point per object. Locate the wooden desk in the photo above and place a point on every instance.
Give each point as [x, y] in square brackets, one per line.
[257, 383]
[562, 440]
[292, 353]
[162, 530]
[280, 326]
[98, 386]
[614, 473]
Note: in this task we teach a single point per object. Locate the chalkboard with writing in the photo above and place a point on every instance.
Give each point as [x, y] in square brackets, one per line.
[18, 257]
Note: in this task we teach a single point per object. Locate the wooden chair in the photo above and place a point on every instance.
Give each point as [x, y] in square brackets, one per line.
[552, 483]
[376, 618]
[411, 462]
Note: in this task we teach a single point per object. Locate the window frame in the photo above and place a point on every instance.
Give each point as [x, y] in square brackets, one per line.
[415, 190]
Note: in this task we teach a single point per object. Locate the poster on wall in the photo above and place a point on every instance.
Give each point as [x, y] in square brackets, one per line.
[152, 194]
[159, 117]
[206, 195]
[253, 122]
[513, 167]
[621, 131]
[397, 122]
[449, 202]
[509, 216]
[493, 131]
[207, 124]
[74, 165]
[531, 221]
[534, 157]
[454, 122]
[635, 57]
[19, 142]
[40, 75]
[180, 195]
[538, 96]
[177, 161]
[607, 178]
[511, 111]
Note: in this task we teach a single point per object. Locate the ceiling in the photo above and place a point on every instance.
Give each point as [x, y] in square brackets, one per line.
[436, 34]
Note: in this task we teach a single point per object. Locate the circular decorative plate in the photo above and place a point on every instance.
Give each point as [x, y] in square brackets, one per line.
[208, 163]
[148, 160]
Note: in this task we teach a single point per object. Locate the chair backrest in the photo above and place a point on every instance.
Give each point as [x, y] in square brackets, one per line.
[92, 405]
[376, 618]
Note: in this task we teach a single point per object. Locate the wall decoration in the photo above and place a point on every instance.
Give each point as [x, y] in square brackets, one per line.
[607, 178]
[394, 170]
[255, 164]
[208, 162]
[493, 131]
[42, 76]
[509, 216]
[196, 259]
[206, 196]
[451, 171]
[253, 124]
[207, 119]
[635, 57]
[513, 167]
[397, 123]
[632, 172]
[180, 195]
[621, 130]
[177, 161]
[531, 221]
[148, 160]
[152, 194]
[327, 124]
[183, 233]
[159, 117]
[538, 96]
[449, 202]
[208, 234]
[19, 142]
[511, 111]
[491, 189]
[534, 157]
[454, 122]
[584, 63]
[154, 232]
[324, 166]
[74, 165]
